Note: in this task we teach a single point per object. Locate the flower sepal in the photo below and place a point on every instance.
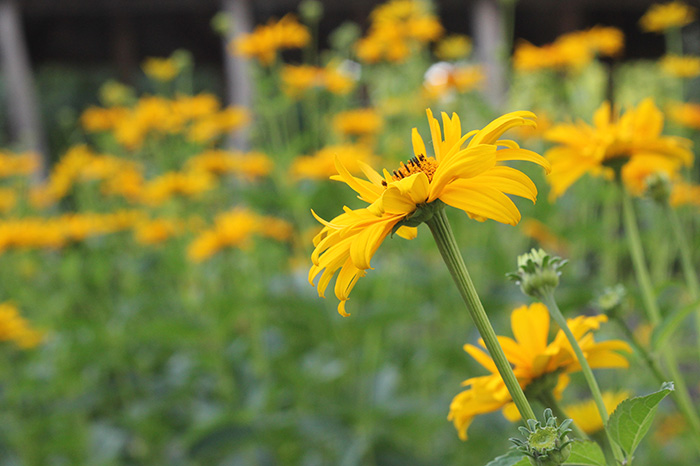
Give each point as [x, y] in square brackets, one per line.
[537, 273]
[422, 214]
[546, 444]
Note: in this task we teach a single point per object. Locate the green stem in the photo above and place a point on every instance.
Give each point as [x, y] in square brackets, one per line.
[640, 268]
[547, 297]
[447, 245]
[691, 278]
[685, 403]
[547, 399]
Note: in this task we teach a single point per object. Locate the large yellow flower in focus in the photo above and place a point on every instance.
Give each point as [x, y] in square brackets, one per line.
[532, 358]
[469, 178]
[611, 140]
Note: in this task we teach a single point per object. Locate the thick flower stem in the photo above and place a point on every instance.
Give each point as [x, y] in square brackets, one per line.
[447, 245]
[547, 298]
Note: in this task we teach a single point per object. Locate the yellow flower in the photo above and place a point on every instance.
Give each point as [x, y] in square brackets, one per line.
[160, 69]
[219, 162]
[167, 185]
[23, 164]
[659, 18]
[264, 42]
[15, 328]
[637, 172]
[155, 231]
[685, 114]
[681, 66]
[471, 179]
[298, 79]
[395, 28]
[236, 229]
[321, 165]
[570, 52]
[591, 149]
[358, 122]
[209, 127]
[453, 47]
[685, 194]
[585, 414]
[532, 358]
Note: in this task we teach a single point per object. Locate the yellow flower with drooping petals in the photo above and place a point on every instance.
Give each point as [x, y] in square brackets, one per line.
[686, 66]
[15, 328]
[470, 178]
[612, 139]
[160, 69]
[266, 40]
[585, 414]
[532, 358]
[321, 165]
[358, 122]
[453, 47]
[661, 17]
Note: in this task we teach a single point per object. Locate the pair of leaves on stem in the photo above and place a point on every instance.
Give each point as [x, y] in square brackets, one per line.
[627, 426]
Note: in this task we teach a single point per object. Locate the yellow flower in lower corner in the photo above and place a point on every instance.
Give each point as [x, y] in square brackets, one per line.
[15, 328]
[532, 358]
[470, 178]
[611, 140]
[585, 414]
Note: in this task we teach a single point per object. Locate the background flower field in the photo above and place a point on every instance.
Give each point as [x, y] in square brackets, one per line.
[156, 307]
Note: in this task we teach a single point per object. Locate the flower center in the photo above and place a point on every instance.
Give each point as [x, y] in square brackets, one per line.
[417, 164]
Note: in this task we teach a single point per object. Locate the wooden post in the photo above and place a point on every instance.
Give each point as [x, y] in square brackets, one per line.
[22, 110]
[239, 87]
[489, 48]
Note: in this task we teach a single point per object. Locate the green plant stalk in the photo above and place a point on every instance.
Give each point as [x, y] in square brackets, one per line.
[547, 399]
[660, 377]
[447, 245]
[685, 403]
[691, 277]
[547, 297]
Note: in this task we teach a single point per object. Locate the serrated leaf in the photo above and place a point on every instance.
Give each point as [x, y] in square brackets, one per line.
[586, 453]
[632, 418]
[512, 458]
[669, 325]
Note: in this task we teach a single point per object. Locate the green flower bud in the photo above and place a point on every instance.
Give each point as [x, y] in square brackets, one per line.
[538, 272]
[547, 444]
[611, 300]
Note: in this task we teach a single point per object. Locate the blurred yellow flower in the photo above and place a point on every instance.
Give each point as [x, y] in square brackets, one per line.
[570, 52]
[611, 140]
[96, 119]
[219, 162]
[187, 183]
[686, 66]
[661, 17]
[471, 179]
[358, 122]
[444, 78]
[236, 229]
[22, 164]
[160, 69]
[321, 165]
[453, 47]
[637, 172]
[8, 199]
[685, 194]
[156, 231]
[585, 414]
[15, 328]
[212, 126]
[266, 40]
[532, 358]
[396, 27]
[297, 79]
[685, 114]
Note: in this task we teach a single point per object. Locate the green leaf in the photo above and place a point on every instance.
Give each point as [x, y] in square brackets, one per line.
[586, 453]
[631, 420]
[512, 458]
[669, 325]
